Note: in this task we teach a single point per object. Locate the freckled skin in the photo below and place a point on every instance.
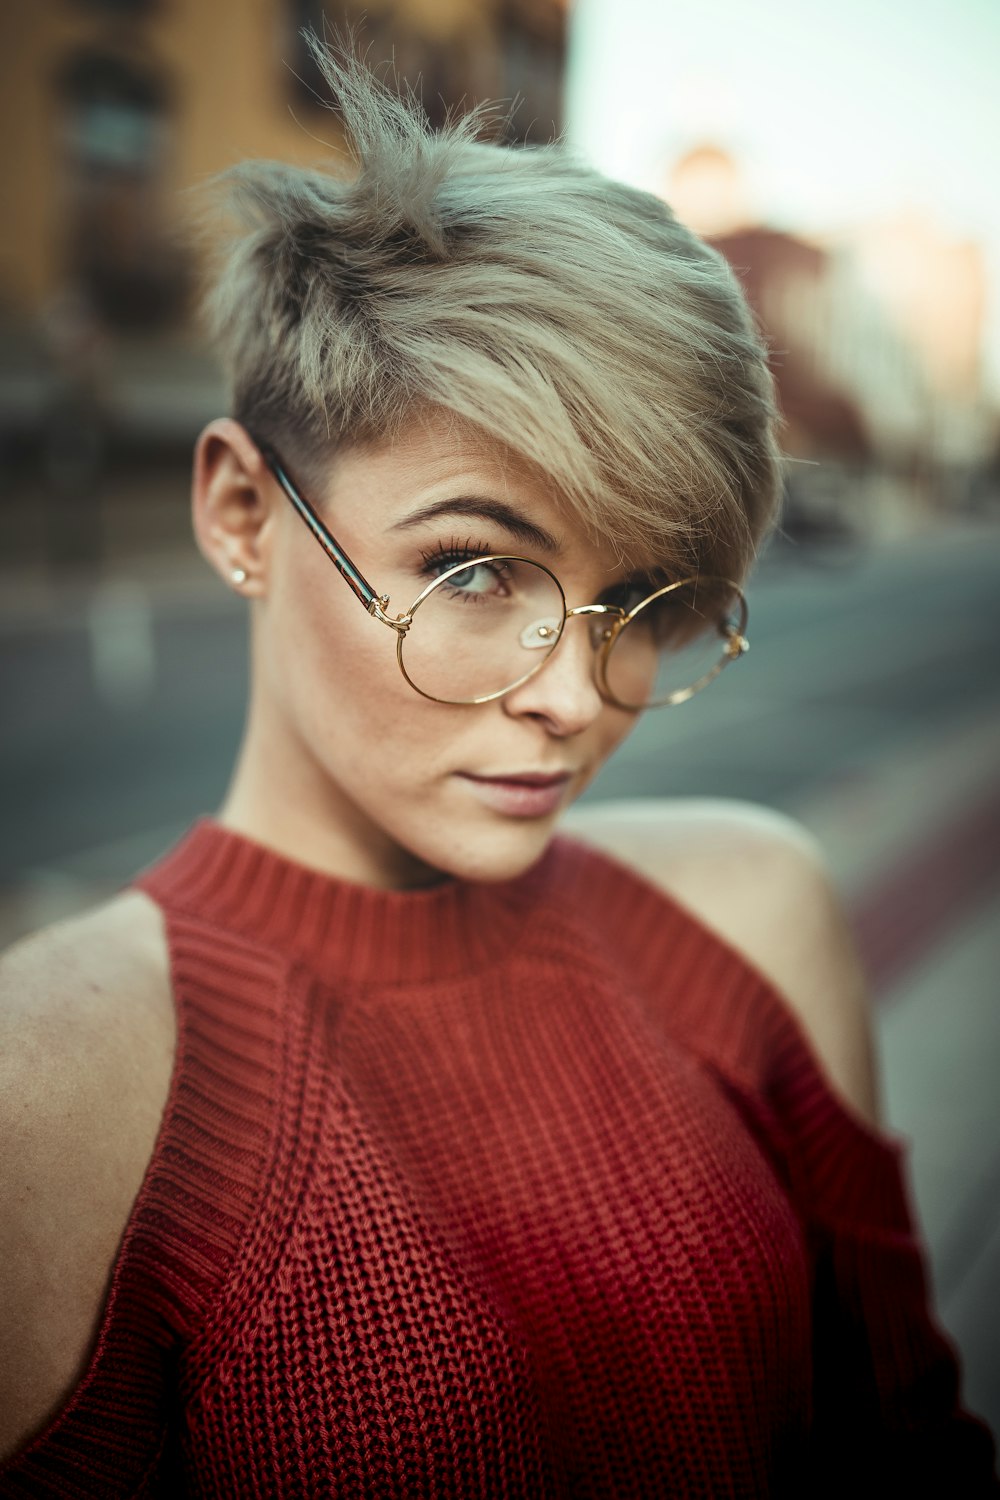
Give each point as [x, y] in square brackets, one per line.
[343, 765]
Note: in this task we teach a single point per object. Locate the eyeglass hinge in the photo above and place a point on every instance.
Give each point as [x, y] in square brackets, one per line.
[378, 608]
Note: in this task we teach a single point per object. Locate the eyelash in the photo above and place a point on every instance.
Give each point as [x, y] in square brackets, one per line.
[437, 560]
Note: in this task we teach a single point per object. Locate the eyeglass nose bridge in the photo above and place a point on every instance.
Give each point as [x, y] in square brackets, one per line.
[595, 609]
[547, 633]
[615, 611]
[539, 633]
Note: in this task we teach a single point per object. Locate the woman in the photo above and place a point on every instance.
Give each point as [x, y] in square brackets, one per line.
[374, 1141]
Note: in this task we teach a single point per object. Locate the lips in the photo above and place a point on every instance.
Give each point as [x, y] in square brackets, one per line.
[519, 794]
[522, 778]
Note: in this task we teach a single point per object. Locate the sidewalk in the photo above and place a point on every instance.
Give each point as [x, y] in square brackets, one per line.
[926, 911]
[939, 1035]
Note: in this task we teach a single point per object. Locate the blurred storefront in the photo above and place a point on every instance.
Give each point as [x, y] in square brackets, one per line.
[114, 108]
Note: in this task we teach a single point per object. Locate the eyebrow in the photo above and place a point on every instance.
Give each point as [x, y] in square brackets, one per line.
[489, 510]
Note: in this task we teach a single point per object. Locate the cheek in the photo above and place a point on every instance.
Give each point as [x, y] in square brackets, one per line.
[320, 648]
[612, 729]
[335, 670]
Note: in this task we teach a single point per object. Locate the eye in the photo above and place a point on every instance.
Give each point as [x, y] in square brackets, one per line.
[627, 594]
[479, 579]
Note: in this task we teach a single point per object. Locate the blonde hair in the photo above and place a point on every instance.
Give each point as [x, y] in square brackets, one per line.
[566, 315]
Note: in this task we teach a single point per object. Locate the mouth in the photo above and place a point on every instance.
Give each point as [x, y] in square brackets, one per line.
[519, 794]
[522, 778]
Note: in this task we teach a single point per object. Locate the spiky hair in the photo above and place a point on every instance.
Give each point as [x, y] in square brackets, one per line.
[566, 315]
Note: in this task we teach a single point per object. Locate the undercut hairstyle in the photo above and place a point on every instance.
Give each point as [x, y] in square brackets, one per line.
[565, 315]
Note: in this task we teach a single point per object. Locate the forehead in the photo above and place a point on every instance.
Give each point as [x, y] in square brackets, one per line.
[431, 458]
[374, 486]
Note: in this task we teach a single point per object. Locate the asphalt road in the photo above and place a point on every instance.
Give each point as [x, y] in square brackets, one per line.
[122, 709]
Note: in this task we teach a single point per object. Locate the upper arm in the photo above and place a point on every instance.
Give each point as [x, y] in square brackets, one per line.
[758, 879]
[86, 1048]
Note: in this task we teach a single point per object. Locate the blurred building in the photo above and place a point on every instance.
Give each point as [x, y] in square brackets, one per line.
[933, 287]
[876, 339]
[113, 108]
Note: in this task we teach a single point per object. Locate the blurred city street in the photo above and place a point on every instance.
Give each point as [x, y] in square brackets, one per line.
[867, 707]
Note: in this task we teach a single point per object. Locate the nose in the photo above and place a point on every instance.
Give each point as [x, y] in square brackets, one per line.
[564, 692]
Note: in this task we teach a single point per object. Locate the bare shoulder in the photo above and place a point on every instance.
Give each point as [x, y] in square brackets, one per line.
[86, 1053]
[758, 879]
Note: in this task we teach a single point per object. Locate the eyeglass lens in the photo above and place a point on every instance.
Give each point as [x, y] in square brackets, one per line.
[484, 628]
[674, 643]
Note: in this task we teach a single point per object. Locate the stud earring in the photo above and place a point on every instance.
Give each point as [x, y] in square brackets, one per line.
[239, 575]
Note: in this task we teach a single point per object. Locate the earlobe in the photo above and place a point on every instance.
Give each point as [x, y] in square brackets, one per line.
[231, 505]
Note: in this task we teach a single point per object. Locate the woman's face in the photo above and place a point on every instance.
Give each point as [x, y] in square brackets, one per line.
[409, 787]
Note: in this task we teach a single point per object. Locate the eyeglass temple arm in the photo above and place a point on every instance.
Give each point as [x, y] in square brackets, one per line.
[327, 541]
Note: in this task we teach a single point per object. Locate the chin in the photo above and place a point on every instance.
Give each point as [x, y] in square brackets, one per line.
[496, 854]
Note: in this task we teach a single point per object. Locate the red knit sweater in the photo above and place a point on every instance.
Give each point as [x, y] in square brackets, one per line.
[530, 1189]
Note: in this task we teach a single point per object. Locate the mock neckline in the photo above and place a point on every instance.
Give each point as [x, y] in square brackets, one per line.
[338, 928]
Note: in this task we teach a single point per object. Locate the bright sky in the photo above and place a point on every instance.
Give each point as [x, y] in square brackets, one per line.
[838, 112]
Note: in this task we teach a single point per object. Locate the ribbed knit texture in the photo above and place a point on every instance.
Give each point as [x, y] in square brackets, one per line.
[530, 1189]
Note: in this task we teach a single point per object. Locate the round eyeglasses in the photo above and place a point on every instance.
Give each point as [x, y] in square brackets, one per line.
[486, 625]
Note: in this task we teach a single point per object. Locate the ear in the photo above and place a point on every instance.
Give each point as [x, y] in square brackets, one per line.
[233, 506]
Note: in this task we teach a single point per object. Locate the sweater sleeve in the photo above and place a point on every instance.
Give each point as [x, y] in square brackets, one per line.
[888, 1415]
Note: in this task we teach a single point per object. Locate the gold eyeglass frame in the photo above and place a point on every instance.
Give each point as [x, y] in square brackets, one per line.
[377, 605]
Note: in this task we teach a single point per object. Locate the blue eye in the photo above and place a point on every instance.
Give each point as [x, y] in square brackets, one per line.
[478, 579]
